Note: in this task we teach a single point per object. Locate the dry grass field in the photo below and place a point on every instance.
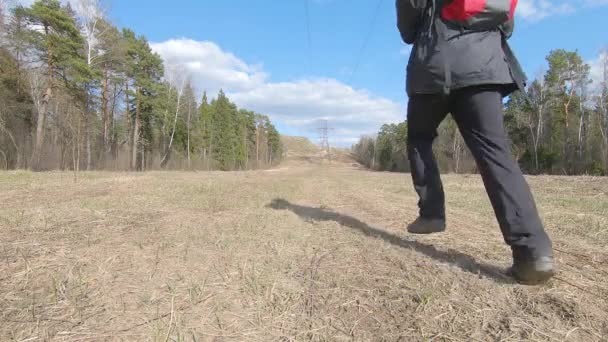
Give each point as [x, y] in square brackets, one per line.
[307, 252]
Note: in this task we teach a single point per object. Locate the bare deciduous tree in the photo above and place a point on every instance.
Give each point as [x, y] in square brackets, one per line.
[40, 91]
[177, 80]
[603, 105]
[540, 102]
[90, 14]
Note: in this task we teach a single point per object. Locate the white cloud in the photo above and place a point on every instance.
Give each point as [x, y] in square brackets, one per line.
[304, 104]
[3, 5]
[598, 66]
[596, 2]
[78, 5]
[19, 2]
[534, 10]
[300, 104]
[210, 67]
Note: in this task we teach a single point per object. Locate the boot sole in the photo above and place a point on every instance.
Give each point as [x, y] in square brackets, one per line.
[538, 278]
[426, 232]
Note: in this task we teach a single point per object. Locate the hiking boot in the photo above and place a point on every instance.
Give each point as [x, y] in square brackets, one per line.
[426, 226]
[532, 271]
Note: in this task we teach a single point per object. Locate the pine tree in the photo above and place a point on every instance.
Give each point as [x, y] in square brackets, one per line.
[15, 102]
[567, 73]
[82, 83]
[145, 70]
[520, 127]
[224, 130]
[275, 147]
[55, 39]
[247, 128]
[205, 129]
[111, 67]
[15, 113]
[189, 116]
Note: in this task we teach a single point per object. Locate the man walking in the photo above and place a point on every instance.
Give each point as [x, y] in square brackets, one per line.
[461, 64]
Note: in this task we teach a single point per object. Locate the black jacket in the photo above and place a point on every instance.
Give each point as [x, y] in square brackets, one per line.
[445, 57]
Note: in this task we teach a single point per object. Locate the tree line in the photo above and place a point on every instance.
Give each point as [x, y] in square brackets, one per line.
[559, 125]
[78, 93]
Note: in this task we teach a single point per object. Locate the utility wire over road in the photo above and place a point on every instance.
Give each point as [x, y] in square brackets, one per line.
[366, 41]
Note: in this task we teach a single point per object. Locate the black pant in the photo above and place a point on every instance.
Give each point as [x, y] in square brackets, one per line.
[478, 114]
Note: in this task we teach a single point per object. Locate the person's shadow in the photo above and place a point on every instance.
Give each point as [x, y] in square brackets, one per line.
[463, 261]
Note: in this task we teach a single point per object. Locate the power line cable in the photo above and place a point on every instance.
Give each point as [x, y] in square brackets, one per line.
[308, 32]
[367, 39]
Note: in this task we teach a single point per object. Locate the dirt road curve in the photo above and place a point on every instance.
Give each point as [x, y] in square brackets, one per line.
[306, 252]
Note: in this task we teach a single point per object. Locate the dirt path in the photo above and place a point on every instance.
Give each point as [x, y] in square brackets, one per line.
[307, 252]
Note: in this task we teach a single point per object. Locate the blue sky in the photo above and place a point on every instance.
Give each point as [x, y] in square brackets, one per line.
[352, 68]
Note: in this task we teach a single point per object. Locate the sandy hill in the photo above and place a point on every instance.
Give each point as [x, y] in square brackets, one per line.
[301, 148]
